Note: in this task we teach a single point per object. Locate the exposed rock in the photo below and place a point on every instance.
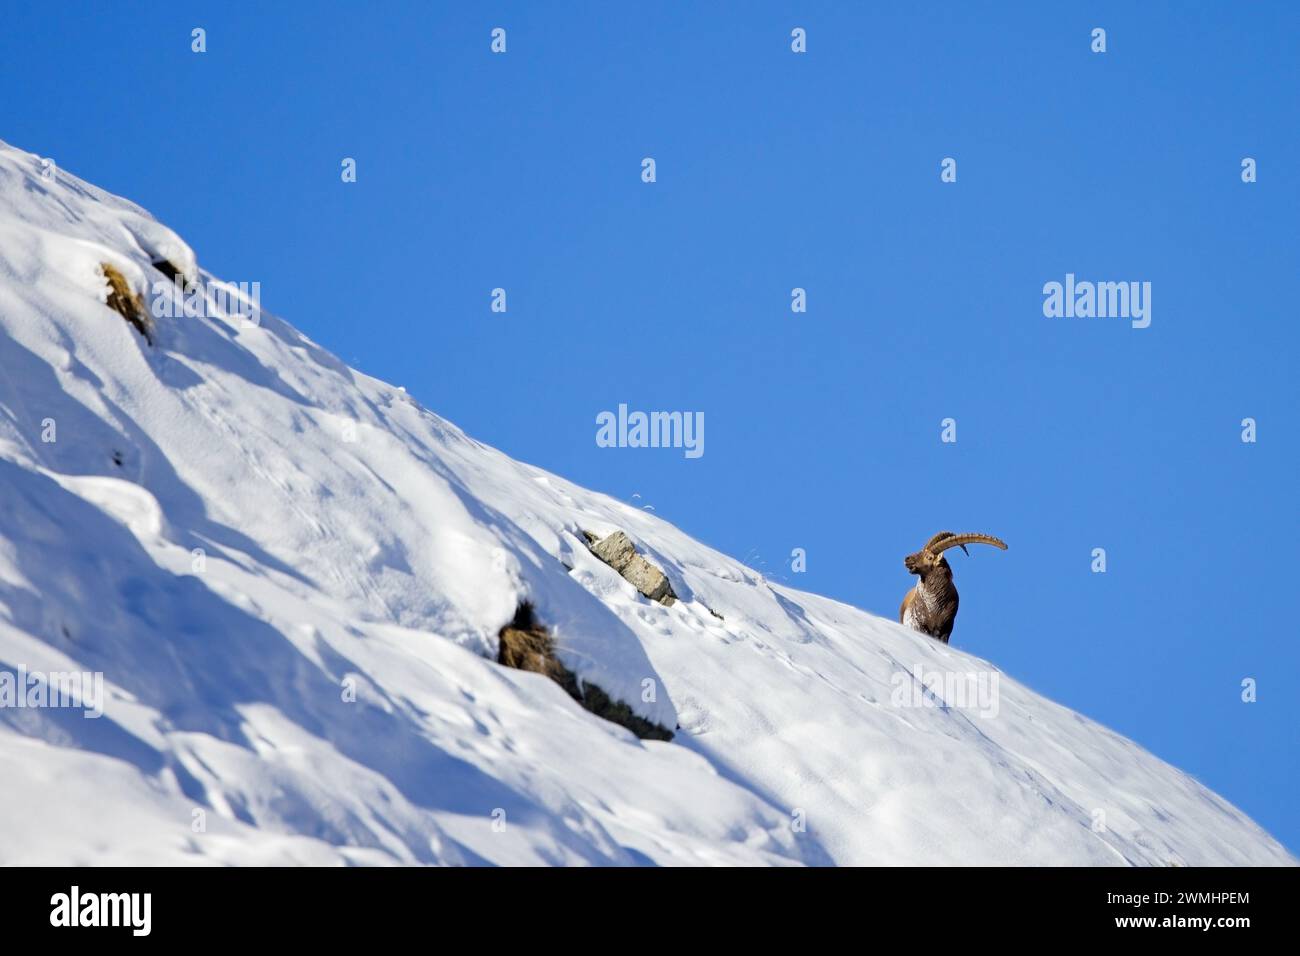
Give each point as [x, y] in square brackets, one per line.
[619, 553]
[171, 270]
[526, 645]
[615, 711]
[616, 550]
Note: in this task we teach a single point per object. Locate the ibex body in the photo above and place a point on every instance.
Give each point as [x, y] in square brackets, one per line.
[931, 606]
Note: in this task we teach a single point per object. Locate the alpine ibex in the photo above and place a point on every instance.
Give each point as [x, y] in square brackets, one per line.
[931, 606]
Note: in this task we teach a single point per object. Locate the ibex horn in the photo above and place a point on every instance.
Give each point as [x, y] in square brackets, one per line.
[961, 540]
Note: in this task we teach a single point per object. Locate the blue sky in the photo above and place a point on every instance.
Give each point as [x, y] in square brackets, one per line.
[775, 171]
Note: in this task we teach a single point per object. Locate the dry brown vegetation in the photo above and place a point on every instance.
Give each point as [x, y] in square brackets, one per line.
[526, 645]
[126, 302]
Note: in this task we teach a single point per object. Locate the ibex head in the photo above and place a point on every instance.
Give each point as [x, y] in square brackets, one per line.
[931, 607]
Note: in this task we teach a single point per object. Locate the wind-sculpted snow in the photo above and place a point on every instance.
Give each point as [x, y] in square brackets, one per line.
[291, 576]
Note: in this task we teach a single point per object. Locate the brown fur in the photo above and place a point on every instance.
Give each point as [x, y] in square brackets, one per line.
[933, 602]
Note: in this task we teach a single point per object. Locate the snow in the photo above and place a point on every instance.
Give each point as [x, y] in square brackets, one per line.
[292, 584]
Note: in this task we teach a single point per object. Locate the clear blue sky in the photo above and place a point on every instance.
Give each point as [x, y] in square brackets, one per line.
[778, 170]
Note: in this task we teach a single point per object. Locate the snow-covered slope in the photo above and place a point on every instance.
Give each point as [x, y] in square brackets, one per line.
[291, 577]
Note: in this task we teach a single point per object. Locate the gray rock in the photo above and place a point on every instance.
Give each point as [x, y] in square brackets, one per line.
[616, 550]
[619, 553]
